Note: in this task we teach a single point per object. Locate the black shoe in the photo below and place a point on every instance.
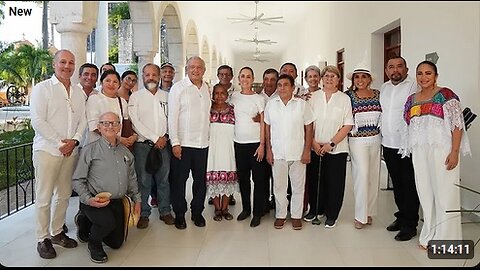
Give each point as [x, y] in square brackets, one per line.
[180, 222]
[272, 203]
[310, 216]
[255, 221]
[405, 235]
[63, 240]
[64, 228]
[232, 200]
[97, 254]
[395, 226]
[74, 194]
[210, 201]
[45, 249]
[243, 215]
[198, 220]
[83, 227]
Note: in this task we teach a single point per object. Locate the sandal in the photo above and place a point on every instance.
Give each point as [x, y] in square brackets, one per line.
[369, 220]
[227, 215]
[358, 224]
[218, 215]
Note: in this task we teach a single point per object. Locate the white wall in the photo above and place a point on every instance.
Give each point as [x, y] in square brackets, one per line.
[450, 29]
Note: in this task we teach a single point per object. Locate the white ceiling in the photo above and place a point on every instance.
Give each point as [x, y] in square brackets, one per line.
[215, 14]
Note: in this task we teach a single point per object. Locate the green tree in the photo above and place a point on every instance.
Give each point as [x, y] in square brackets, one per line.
[2, 14]
[117, 13]
[24, 66]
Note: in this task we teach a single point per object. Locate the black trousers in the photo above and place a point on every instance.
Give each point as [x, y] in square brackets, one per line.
[107, 223]
[312, 180]
[194, 159]
[404, 189]
[247, 165]
[333, 170]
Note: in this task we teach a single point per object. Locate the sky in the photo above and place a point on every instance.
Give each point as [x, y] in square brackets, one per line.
[13, 27]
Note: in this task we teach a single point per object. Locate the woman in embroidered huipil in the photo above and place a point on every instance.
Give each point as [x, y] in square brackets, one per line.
[364, 142]
[222, 178]
[435, 137]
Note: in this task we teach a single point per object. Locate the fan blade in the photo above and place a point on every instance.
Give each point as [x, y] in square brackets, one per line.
[260, 16]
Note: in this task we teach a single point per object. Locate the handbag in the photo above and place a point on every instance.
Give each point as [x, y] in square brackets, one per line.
[130, 219]
[127, 126]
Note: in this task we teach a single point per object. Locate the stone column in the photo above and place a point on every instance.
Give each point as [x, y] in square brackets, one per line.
[144, 57]
[74, 39]
[101, 35]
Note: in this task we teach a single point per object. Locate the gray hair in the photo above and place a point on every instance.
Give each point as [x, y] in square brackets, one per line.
[314, 68]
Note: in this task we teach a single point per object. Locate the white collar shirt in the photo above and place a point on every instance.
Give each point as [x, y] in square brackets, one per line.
[189, 114]
[148, 113]
[392, 101]
[56, 115]
[287, 126]
[330, 117]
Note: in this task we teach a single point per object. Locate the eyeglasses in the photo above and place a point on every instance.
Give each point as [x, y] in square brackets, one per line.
[131, 80]
[109, 123]
[329, 76]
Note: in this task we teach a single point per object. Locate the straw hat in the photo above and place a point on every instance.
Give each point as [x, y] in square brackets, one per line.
[361, 68]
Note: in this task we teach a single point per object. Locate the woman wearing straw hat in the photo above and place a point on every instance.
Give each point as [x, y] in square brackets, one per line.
[364, 141]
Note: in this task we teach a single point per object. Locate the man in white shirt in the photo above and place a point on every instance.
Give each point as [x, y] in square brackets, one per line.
[289, 134]
[393, 95]
[57, 110]
[291, 69]
[225, 76]
[149, 121]
[270, 77]
[188, 124]
[167, 73]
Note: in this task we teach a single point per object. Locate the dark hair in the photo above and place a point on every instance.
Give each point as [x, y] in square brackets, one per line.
[108, 64]
[430, 64]
[397, 57]
[128, 72]
[270, 71]
[288, 77]
[218, 86]
[291, 64]
[109, 72]
[87, 65]
[249, 68]
[225, 67]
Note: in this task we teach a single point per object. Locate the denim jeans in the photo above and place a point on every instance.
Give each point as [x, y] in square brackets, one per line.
[145, 179]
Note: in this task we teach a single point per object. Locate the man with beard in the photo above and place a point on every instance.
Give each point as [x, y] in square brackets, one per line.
[150, 123]
[393, 95]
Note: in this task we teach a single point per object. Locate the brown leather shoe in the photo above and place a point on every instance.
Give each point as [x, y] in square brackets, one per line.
[279, 222]
[46, 250]
[63, 240]
[143, 222]
[297, 223]
[168, 219]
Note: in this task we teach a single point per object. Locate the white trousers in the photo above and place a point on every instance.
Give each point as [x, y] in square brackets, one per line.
[437, 194]
[281, 169]
[53, 185]
[365, 159]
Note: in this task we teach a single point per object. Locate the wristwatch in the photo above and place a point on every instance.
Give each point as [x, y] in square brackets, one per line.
[332, 144]
[77, 143]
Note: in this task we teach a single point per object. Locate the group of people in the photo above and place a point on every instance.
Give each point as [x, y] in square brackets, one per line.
[293, 142]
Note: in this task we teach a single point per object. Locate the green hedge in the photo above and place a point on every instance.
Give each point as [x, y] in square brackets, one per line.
[16, 167]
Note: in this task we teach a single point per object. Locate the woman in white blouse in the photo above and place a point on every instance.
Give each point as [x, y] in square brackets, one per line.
[107, 101]
[249, 146]
[332, 112]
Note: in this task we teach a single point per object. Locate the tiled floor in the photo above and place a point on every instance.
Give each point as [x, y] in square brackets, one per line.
[234, 243]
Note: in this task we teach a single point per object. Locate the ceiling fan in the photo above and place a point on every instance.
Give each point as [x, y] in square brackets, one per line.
[256, 40]
[257, 59]
[258, 53]
[258, 18]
